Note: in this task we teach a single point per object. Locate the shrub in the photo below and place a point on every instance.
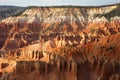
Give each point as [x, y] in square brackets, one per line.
[110, 48]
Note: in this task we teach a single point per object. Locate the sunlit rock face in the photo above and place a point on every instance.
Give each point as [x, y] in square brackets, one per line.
[59, 14]
[61, 43]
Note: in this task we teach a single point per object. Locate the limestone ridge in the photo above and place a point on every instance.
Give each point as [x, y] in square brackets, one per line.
[49, 14]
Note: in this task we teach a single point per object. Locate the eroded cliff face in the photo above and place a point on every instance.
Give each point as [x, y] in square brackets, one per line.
[92, 61]
[61, 44]
[56, 14]
[55, 35]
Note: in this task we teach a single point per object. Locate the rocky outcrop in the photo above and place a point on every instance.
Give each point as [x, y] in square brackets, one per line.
[57, 26]
[60, 43]
[78, 63]
[59, 14]
[41, 68]
[21, 35]
[15, 36]
[94, 68]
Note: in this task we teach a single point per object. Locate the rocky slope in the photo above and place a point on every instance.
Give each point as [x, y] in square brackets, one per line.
[61, 43]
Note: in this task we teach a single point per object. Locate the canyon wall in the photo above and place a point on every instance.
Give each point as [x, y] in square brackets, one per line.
[61, 43]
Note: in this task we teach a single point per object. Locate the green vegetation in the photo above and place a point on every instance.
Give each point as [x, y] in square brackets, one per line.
[61, 25]
[29, 7]
[74, 6]
[110, 48]
[49, 28]
[113, 13]
[92, 30]
[6, 11]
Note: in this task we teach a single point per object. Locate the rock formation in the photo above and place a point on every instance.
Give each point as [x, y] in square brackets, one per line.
[61, 43]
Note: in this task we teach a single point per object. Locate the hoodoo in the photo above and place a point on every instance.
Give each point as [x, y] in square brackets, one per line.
[61, 43]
